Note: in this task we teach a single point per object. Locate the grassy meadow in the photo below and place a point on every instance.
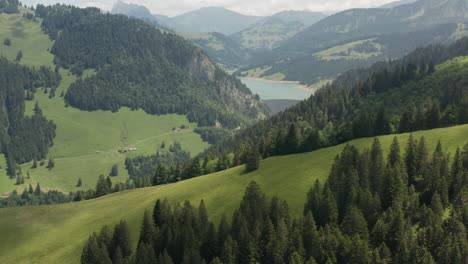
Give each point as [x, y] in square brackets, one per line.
[56, 233]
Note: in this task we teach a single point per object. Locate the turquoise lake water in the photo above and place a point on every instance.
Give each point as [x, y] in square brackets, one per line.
[277, 90]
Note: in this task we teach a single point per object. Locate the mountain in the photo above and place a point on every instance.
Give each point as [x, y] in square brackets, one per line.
[210, 19]
[307, 18]
[269, 32]
[359, 37]
[221, 48]
[398, 3]
[132, 10]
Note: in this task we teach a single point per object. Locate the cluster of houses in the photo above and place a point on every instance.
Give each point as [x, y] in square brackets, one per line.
[127, 150]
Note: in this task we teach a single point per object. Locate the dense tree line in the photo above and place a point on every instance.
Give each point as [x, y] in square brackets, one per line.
[213, 135]
[9, 6]
[34, 196]
[141, 67]
[406, 208]
[23, 138]
[411, 94]
[159, 168]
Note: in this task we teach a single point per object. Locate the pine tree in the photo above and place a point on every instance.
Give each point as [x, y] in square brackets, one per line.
[377, 168]
[19, 55]
[148, 230]
[292, 139]
[328, 212]
[408, 119]
[252, 160]
[114, 171]
[38, 190]
[394, 158]
[51, 163]
[121, 238]
[312, 142]
[229, 251]
[432, 119]
[34, 163]
[354, 223]
[295, 258]
[79, 183]
[382, 122]
[411, 161]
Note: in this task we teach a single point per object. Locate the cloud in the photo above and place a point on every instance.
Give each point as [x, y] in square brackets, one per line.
[250, 7]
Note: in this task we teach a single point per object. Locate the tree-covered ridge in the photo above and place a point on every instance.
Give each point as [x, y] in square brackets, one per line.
[23, 138]
[9, 6]
[406, 208]
[376, 102]
[138, 66]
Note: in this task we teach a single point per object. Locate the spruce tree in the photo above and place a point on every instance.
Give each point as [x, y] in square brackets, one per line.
[148, 230]
[38, 190]
[377, 168]
[382, 124]
[252, 160]
[411, 160]
[292, 140]
[121, 238]
[354, 223]
[51, 163]
[114, 171]
[394, 158]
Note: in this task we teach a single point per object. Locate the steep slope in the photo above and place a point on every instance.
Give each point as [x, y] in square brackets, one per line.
[40, 229]
[142, 67]
[359, 37]
[211, 19]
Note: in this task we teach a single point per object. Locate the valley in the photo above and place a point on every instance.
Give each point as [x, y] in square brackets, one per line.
[180, 133]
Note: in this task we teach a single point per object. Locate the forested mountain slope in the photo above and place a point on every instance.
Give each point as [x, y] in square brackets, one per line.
[359, 37]
[142, 67]
[288, 177]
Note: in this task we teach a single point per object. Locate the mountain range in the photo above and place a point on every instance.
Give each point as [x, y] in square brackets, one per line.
[359, 37]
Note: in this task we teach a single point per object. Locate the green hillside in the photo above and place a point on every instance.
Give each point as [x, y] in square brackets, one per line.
[55, 234]
[86, 144]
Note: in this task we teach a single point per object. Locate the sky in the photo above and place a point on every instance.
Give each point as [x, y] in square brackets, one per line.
[249, 7]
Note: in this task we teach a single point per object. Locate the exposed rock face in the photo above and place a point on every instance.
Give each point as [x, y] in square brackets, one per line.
[234, 93]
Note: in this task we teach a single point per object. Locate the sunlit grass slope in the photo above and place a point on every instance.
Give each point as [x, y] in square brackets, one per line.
[55, 234]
